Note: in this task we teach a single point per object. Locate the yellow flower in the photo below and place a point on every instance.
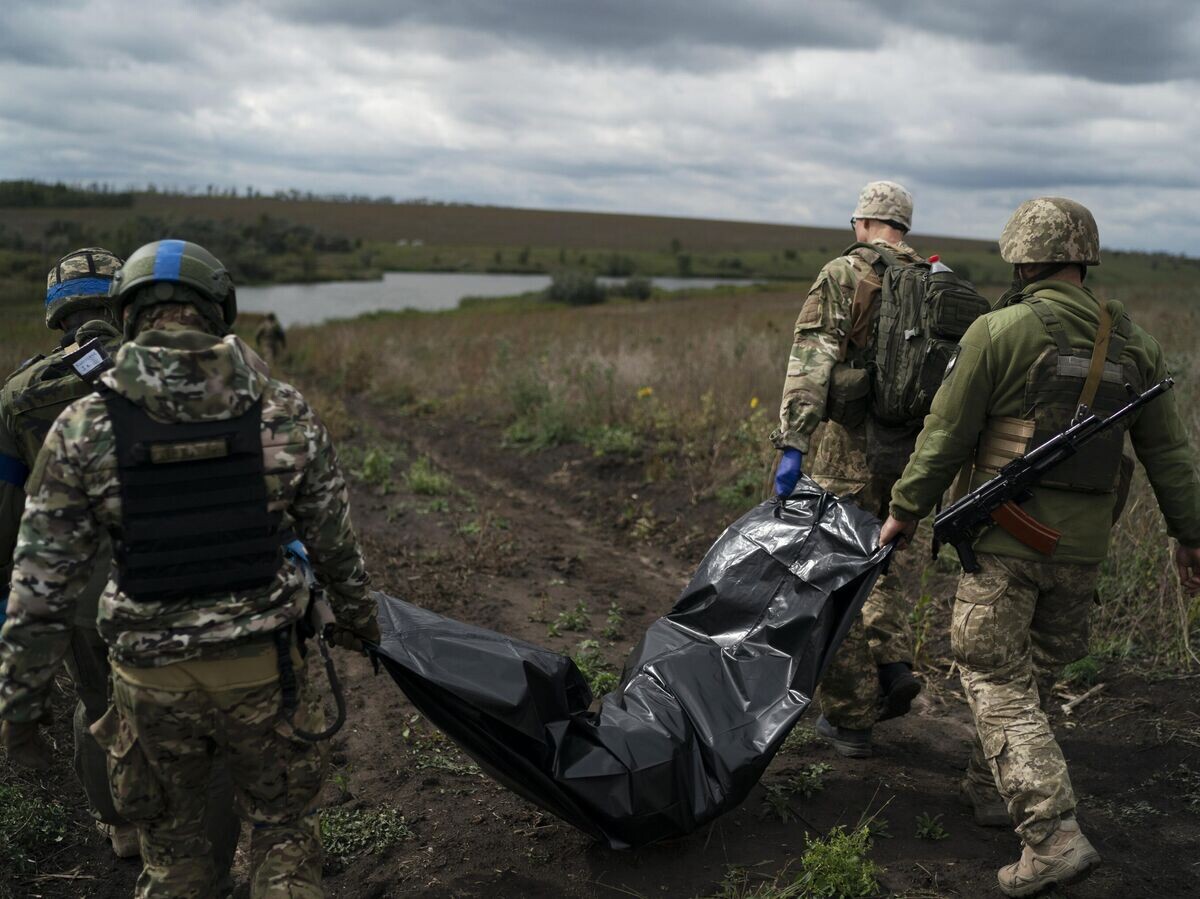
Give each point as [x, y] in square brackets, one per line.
[644, 392]
[753, 402]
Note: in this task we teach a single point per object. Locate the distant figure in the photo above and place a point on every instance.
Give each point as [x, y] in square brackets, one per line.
[270, 338]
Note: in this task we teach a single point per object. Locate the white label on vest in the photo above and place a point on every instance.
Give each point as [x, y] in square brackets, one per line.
[87, 362]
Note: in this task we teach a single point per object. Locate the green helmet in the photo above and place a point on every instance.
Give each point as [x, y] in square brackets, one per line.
[80, 280]
[886, 201]
[1051, 229]
[169, 263]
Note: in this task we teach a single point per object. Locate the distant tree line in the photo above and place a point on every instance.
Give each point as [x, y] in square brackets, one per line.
[38, 194]
[28, 193]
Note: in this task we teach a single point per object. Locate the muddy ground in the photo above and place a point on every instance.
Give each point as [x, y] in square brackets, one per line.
[525, 537]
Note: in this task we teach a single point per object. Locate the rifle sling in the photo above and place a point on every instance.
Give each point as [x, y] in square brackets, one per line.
[1024, 527]
[1099, 354]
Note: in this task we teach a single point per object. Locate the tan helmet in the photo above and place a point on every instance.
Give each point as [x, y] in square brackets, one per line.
[886, 201]
[1051, 229]
[78, 281]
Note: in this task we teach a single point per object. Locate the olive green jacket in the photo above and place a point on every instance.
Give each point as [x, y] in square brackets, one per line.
[988, 379]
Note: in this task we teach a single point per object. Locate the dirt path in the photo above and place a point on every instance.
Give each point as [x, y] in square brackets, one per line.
[523, 539]
[555, 528]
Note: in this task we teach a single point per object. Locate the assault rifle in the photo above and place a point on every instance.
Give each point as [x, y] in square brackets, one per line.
[997, 501]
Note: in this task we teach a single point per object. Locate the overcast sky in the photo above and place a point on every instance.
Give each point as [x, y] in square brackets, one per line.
[774, 110]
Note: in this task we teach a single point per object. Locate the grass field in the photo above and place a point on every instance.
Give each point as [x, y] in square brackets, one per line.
[688, 387]
[554, 473]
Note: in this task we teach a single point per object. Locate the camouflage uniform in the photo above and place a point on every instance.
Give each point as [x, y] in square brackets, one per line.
[270, 339]
[192, 674]
[1020, 619]
[30, 401]
[822, 339]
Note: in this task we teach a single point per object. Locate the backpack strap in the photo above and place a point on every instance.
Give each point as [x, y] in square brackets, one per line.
[887, 257]
[1053, 326]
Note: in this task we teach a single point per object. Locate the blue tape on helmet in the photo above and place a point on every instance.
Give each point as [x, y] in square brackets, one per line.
[3, 607]
[78, 287]
[167, 260]
[13, 470]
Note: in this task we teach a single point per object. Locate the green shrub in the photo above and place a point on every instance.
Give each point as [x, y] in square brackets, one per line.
[575, 288]
[423, 479]
[837, 866]
[636, 288]
[29, 827]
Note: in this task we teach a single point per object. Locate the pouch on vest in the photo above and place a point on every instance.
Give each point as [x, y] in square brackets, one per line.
[194, 515]
[849, 395]
[1053, 392]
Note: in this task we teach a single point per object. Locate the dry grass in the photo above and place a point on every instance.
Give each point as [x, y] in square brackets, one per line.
[693, 385]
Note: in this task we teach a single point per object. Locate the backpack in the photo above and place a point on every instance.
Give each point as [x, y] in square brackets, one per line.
[922, 315]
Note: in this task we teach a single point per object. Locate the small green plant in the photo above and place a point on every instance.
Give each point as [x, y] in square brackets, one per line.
[837, 866]
[351, 833]
[613, 440]
[930, 827]
[423, 479]
[376, 468]
[1083, 672]
[613, 622]
[596, 671]
[341, 780]
[810, 779]
[576, 619]
[800, 737]
[29, 827]
[777, 803]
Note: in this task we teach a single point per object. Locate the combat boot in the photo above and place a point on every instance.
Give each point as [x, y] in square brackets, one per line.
[1063, 858]
[853, 744]
[123, 838]
[988, 806]
[898, 687]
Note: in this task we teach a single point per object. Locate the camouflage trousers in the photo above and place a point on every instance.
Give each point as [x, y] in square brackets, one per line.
[1015, 625]
[850, 687]
[170, 723]
[88, 665]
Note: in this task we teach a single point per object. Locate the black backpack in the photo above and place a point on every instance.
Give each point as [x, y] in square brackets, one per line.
[922, 315]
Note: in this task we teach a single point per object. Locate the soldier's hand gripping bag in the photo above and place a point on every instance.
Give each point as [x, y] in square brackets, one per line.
[704, 702]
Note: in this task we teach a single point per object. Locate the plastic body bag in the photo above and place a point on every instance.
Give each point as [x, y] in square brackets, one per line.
[705, 700]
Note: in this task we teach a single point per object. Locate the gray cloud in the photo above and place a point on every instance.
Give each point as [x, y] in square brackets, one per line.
[762, 110]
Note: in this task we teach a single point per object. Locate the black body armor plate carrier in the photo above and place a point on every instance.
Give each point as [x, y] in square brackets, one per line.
[194, 516]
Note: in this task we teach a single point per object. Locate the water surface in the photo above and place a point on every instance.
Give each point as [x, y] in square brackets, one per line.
[304, 304]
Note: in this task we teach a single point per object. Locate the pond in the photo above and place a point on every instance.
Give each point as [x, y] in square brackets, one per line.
[304, 304]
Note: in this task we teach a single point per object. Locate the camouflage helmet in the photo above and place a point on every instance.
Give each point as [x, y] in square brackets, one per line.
[78, 281]
[1051, 229]
[886, 201]
[168, 264]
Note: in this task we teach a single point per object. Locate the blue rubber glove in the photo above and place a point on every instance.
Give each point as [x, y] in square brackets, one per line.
[298, 555]
[788, 472]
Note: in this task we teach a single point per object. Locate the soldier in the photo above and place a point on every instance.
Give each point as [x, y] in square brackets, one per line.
[871, 675]
[270, 338]
[1019, 376]
[198, 466]
[77, 304]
